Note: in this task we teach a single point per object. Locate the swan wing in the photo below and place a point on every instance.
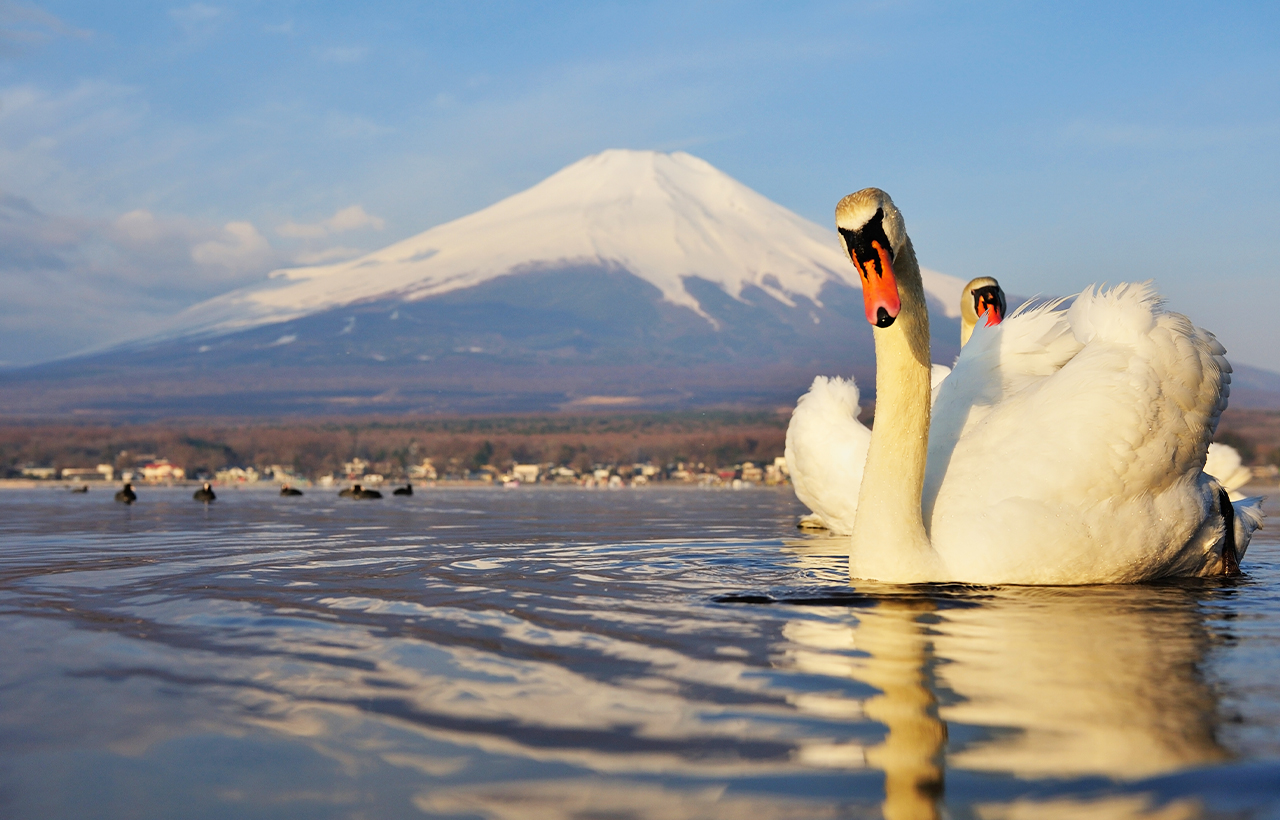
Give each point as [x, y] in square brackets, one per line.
[826, 451]
[1092, 473]
[1033, 343]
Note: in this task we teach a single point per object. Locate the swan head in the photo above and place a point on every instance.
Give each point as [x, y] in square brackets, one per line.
[871, 229]
[981, 300]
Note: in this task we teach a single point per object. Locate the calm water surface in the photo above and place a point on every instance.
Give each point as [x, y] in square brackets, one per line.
[545, 654]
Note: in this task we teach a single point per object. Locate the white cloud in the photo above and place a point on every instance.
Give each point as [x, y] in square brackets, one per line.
[240, 247]
[73, 282]
[142, 228]
[351, 218]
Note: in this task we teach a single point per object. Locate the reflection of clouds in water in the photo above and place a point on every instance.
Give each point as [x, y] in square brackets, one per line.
[590, 798]
[431, 671]
[1123, 807]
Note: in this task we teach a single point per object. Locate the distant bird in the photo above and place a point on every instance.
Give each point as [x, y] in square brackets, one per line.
[358, 492]
[126, 495]
[287, 490]
[204, 494]
[83, 489]
[407, 489]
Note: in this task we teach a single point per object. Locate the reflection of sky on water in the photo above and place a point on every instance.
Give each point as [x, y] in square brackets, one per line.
[564, 653]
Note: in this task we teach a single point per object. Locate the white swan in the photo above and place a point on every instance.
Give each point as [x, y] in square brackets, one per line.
[826, 445]
[1068, 445]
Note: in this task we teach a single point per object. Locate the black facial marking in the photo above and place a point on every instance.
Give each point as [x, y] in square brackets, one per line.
[883, 319]
[1230, 557]
[993, 295]
[858, 244]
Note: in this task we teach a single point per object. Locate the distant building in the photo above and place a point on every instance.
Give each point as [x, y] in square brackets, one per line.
[103, 472]
[42, 473]
[525, 473]
[425, 471]
[237, 475]
[355, 467]
[162, 470]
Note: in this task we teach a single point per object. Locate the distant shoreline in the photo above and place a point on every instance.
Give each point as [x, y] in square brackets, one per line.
[386, 487]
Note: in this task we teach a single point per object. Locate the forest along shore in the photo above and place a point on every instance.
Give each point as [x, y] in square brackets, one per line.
[692, 446]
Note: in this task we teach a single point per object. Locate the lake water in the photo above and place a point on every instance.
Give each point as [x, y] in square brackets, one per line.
[544, 653]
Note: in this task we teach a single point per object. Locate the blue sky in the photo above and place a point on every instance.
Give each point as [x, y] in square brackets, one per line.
[152, 154]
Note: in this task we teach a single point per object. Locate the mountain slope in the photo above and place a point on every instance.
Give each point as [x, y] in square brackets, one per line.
[661, 217]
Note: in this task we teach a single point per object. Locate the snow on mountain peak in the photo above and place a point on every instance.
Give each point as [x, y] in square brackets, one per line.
[662, 217]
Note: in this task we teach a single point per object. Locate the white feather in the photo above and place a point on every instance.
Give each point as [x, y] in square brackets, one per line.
[1068, 446]
[1224, 463]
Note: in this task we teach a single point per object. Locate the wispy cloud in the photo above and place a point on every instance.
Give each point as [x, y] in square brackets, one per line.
[71, 283]
[1179, 137]
[343, 54]
[335, 254]
[22, 25]
[352, 218]
[353, 126]
[197, 17]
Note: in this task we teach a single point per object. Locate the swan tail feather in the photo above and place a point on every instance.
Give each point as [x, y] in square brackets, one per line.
[826, 450]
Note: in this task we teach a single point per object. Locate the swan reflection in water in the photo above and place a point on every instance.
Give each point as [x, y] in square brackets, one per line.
[1059, 683]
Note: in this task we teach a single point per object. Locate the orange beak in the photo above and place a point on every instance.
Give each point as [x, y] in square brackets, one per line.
[989, 302]
[872, 255]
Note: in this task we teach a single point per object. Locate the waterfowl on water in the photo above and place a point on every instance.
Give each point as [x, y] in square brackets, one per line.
[126, 495]
[358, 492]
[1066, 447]
[83, 489]
[287, 490]
[407, 489]
[826, 444]
[205, 494]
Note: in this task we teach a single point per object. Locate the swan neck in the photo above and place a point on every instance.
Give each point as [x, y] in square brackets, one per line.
[889, 539]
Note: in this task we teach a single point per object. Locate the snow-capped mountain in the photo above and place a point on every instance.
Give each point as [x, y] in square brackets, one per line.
[660, 217]
[630, 278]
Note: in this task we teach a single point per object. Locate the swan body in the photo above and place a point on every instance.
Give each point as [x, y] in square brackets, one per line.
[1066, 447]
[826, 445]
